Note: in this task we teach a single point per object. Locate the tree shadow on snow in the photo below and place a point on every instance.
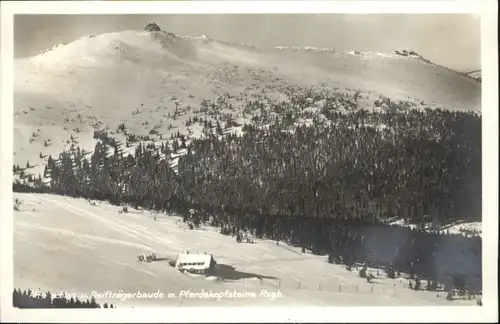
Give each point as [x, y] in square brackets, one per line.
[229, 272]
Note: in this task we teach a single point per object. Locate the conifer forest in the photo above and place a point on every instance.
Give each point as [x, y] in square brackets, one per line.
[331, 186]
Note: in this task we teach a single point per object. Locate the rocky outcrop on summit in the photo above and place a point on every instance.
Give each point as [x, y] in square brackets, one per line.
[405, 52]
[476, 75]
[353, 52]
[414, 55]
[166, 39]
[152, 27]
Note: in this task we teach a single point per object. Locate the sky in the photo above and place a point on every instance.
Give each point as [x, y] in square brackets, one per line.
[452, 40]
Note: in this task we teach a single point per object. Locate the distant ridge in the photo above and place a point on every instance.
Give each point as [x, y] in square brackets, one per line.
[169, 61]
[403, 53]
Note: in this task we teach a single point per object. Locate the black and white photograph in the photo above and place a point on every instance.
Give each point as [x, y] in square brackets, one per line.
[248, 160]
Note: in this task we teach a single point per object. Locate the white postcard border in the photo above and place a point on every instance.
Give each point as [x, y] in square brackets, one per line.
[488, 312]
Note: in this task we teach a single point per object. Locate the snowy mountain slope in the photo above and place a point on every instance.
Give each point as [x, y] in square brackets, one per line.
[67, 244]
[140, 78]
[398, 76]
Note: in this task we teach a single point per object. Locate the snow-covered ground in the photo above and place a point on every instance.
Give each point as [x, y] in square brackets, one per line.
[464, 228]
[71, 245]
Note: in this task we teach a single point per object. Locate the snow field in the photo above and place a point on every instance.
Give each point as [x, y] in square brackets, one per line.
[67, 244]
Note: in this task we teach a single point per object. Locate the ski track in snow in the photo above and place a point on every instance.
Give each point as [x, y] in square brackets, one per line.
[80, 235]
[111, 224]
